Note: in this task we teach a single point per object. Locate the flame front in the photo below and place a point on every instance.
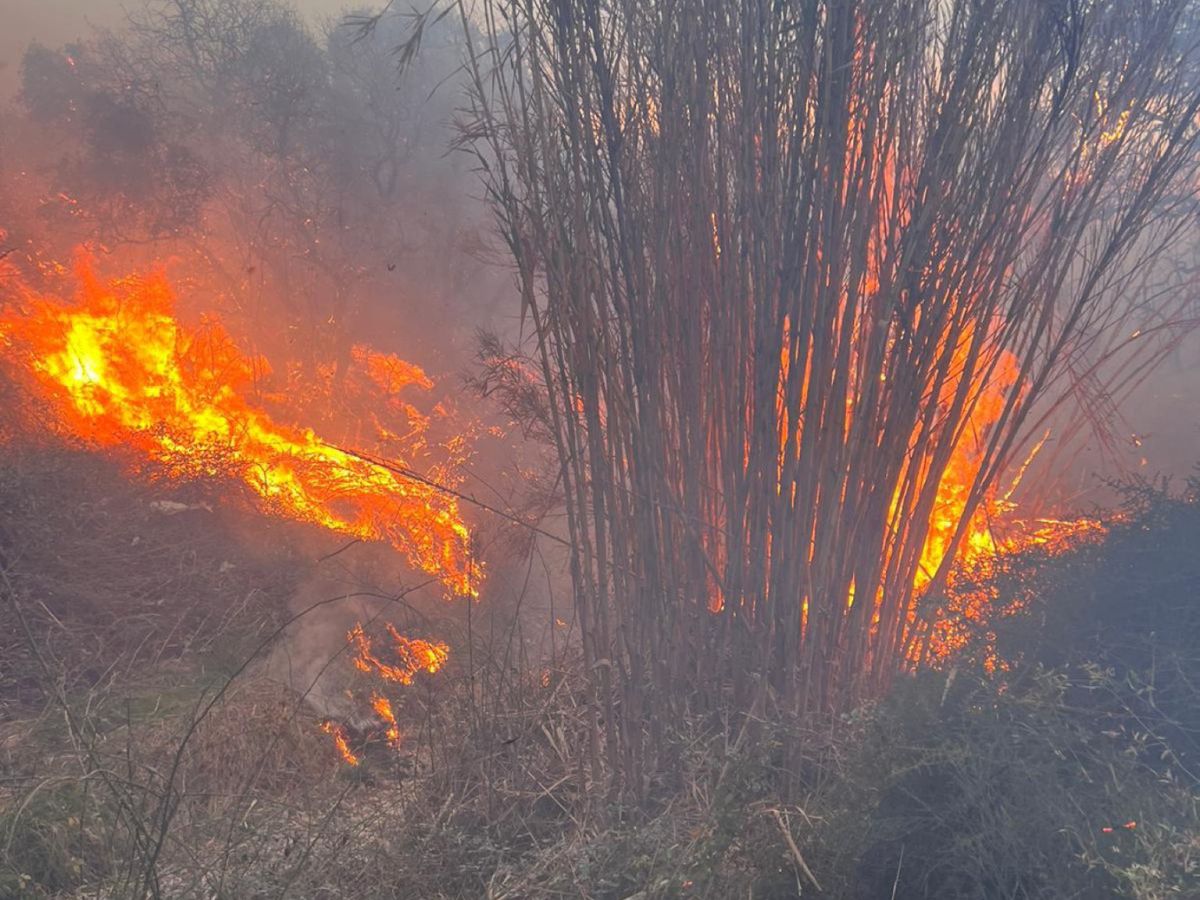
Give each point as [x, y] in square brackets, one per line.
[120, 370]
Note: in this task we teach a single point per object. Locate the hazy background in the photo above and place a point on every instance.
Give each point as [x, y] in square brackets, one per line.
[55, 22]
[1162, 422]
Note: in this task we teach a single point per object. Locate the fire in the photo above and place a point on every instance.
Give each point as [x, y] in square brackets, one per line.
[998, 525]
[972, 601]
[340, 741]
[412, 655]
[120, 370]
[383, 709]
[996, 528]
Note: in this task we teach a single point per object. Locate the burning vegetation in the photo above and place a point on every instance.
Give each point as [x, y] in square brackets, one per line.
[804, 309]
[814, 306]
[116, 369]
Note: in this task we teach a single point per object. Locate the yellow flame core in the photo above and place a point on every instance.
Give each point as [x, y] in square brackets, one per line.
[119, 369]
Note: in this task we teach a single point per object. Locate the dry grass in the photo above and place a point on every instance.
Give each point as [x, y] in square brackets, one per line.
[133, 785]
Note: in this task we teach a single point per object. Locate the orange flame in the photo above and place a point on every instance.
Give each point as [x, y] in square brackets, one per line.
[338, 733]
[120, 370]
[383, 709]
[413, 655]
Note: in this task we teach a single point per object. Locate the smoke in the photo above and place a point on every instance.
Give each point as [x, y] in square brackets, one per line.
[271, 154]
[49, 21]
[290, 183]
[56, 22]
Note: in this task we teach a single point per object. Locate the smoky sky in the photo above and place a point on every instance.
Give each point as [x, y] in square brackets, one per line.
[55, 22]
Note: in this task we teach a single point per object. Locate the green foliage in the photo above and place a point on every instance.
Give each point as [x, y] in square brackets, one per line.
[53, 840]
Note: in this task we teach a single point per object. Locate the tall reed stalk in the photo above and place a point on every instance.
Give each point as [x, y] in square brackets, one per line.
[773, 257]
